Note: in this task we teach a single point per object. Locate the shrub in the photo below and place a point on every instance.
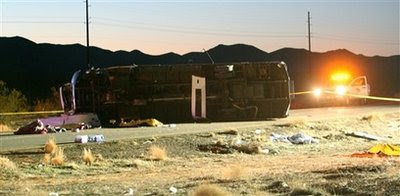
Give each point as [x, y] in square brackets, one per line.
[209, 190]
[87, 156]
[58, 158]
[11, 100]
[50, 146]
[49, 104]
[157, 153]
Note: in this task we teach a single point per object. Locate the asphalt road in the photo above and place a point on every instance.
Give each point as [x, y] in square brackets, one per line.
[10, 142]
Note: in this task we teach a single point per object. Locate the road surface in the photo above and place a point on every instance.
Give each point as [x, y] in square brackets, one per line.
[10, 142]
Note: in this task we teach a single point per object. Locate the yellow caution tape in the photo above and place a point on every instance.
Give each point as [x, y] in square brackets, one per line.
[27, 113]
[367, 96]
[352, 95]
[301, 93]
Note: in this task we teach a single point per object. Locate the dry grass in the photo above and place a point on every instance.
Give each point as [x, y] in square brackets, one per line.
[234, 172]
[6, 163]
[297, 122]
[98, 157]
[209, 190]
[141, 164]
[50, 146]
[87, 156]
[46, 158]
[4, 128]
[371, 117]
[58, 158]
[157, 153]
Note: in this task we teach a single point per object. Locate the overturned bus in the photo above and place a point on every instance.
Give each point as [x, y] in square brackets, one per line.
[180, 93]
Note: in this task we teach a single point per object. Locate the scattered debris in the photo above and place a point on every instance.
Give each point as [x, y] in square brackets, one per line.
[129, 193]
[258, 131]
[35, 127]
[366, 136]
[301, 138]
[81, 139]
[153, 139]
[386, 149]
[229, 132]
[298, 138]
[89, 138]
[248, 148]
[51, 129]
[173, 190]
[96, 138]
[211, 134]
[169, 125]
[60, 124]
[371, 117]
[222, 147]
[98, 157]
[379, 150]
[278, 187]
[217, 148]
[152, 122]
[279, 138]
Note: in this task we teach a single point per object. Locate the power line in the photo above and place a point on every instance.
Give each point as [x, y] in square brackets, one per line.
[43, 22]
[191, 28]
[196, 32]
[357, 41]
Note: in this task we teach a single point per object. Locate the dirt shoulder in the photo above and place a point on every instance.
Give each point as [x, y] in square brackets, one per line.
[264, 167]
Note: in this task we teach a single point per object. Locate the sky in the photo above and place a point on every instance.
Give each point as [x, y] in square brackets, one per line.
[160, 26]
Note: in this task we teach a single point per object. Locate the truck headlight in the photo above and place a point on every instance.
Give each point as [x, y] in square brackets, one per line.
[341, 90]
[317, 92]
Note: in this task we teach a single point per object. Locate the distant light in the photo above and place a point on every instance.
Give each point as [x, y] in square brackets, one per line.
[340, 77]
[317, 92]
[341, 90]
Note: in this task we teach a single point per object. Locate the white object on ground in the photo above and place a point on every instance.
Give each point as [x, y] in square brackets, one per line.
[299, 138]
[130, 192]
[173, 190]
[81, 139]
[96, 138]
[258, 131]
[278, 138]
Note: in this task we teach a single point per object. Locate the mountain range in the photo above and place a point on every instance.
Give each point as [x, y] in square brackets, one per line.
[34, 68]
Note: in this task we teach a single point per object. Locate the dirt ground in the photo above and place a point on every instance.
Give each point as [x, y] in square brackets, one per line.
[265, 167]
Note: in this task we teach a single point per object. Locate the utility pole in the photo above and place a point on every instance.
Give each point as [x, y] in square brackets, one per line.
[309, 49]
[87, 34]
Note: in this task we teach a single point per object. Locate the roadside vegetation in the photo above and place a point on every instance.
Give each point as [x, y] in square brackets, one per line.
[13, 101]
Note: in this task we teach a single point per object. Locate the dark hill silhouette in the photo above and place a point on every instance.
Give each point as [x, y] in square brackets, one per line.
[35, 68]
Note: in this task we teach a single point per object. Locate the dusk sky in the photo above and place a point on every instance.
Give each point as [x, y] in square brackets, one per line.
[181, 26]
